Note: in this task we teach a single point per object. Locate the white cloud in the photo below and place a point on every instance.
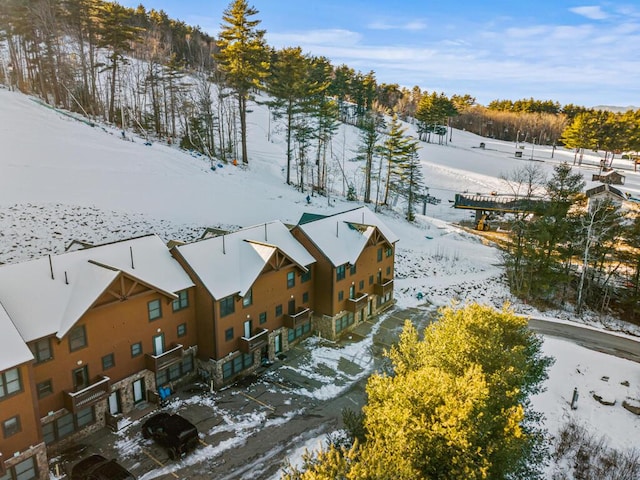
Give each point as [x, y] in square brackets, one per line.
[334, 36]
[591, 12]
[415, 25]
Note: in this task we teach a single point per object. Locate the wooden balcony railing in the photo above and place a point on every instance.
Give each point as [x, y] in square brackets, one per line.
[303, 315]
[384, 287]
[357, 303]
[155, 363]
[83, 398]
[258, 340]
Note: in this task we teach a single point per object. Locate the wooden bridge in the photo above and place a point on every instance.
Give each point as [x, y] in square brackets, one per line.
[497, 203]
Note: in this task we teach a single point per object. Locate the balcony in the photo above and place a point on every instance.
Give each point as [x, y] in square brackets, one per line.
[357, 303]
[258, 340]
[155, 363]
[384, 287]
[98, 390]
[302, 316]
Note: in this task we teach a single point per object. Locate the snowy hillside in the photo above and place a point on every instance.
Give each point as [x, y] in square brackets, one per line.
[61, 180]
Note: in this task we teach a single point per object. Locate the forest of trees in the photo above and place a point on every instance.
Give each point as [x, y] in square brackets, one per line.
[571, 252]
[144, 72]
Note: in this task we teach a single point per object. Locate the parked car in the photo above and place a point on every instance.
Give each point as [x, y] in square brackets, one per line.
[175, 433]
[96, 467]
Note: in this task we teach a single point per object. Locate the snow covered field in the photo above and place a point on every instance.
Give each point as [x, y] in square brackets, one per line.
[61, 180]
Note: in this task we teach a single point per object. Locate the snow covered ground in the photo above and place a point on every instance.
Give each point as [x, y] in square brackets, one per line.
[62, 180]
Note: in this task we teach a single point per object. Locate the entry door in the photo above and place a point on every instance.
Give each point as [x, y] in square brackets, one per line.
[292, 307]
[278, 344]
[158, 344]
[114, 403]
[81, 378]
[247, 329]
[138, 391]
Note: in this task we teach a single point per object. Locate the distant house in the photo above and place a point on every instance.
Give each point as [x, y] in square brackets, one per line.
[611, 177]
[355, 267]
[604, 192]
[105, 326]
[253, 295]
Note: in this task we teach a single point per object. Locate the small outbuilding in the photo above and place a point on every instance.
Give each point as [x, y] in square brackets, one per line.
[611, 177]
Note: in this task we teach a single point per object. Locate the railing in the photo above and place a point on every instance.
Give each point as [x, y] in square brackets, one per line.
[358, 302]
[384, 287]
[255, 342]
[303, 315]
[98, 390]
[155, 363]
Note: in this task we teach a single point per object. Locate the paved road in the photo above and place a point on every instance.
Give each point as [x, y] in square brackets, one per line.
[600, 341]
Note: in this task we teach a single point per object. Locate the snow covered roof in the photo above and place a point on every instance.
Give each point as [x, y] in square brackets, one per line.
[13, 350]
[342, 237]
[230, 264]
[40, 306]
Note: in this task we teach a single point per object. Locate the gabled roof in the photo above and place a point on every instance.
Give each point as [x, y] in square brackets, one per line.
[40, 306]
[342, 237]
[605, 187]
[13, 350]
[230, 264]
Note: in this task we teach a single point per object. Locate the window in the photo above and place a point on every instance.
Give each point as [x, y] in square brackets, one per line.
[263, 318]
[44, 388]
[299, 331]
[25, 470]
[306, 276]
[108, 361]
[388, 270]
[136, 349]
[84, 417]
[182, 330]
[291, 279]
[11, 427]
[361, 285]
[370, 279]
[77, 338]
[340, 295]
[155, 309]
[380, 254]
[175, 371]
[278, 311]
[352, 270]
[67, 424]
[227, 306]
[228, 334]
[10, 382]
[42, 350]
[248, 298]
[340, 272]
[352, 291]
[236, 365]
[305, 297]
[182, 301]
[344, 321]
[389, 252]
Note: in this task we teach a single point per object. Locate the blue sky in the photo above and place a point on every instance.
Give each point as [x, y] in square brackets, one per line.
[567, 51]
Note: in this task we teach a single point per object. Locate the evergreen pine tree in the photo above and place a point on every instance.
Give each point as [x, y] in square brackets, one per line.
[242, 58]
